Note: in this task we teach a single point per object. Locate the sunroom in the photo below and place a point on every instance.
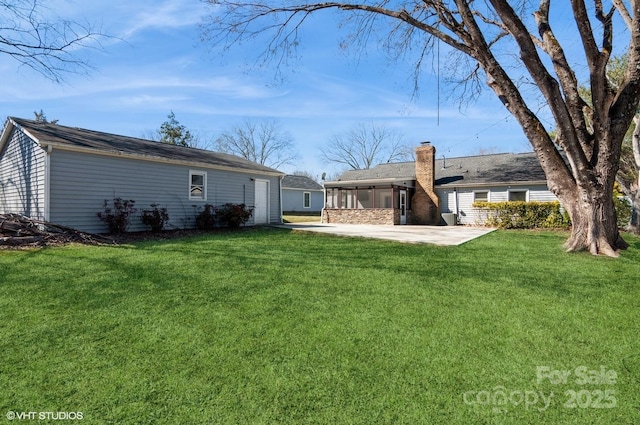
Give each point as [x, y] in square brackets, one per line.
[383, 201]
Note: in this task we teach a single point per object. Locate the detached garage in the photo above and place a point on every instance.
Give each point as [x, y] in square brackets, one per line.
[63, 175]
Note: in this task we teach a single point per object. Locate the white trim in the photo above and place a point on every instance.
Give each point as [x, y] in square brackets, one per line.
[526, 192]
[204, 188]
[47, 183]
[148, 158]
[402, 193]
[303, 199]
[268, 199]
[280, 193]
[492, 184]
[6, 133]
[488, 192]
[406, 181]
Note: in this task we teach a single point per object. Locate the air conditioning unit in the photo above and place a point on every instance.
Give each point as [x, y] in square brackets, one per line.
[450, 219]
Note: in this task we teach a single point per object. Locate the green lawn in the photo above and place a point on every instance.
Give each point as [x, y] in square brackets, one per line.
[297, 217]
[267, 326]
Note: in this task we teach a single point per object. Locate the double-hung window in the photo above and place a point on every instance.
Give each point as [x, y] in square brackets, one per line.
[197, 185]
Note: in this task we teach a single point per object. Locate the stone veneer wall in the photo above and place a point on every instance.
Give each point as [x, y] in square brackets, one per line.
[361, 216]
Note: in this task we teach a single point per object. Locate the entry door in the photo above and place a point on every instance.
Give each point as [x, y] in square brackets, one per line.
[403, 207]
[261, 207]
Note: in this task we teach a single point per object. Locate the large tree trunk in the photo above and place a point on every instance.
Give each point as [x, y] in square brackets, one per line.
[594, 224]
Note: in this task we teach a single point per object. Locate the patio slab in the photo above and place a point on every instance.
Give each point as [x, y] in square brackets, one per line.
[437, 235]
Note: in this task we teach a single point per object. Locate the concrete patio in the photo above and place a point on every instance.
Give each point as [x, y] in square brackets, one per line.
[437, 235]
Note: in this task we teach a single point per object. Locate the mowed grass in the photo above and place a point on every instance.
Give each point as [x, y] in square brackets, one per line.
[270, 326]
[297, 217]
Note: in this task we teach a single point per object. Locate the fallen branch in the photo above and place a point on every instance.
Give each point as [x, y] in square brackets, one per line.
[18, 230]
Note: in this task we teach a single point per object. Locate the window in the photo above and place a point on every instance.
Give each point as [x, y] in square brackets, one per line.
[383, 198]
[197, 185]
[518, 195]
[347, 198]
[332, 198]
[365, 198]
[481, 196]
[306, 200]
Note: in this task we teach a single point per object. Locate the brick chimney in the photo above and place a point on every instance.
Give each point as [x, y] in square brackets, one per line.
[424, 204]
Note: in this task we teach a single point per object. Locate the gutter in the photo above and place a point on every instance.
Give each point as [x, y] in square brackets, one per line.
[342, 183]
[491, 184]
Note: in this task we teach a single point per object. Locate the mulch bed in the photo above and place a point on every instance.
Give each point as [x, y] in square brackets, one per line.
[18, 232]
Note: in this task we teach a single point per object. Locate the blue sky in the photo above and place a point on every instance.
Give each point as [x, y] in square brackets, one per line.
[157, 64]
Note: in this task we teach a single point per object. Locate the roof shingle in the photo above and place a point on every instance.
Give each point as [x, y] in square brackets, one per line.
[467, 170]
[291, 181]
[55, 134]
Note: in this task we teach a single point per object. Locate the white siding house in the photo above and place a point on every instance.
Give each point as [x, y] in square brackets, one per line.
[492, 178]
[64, 175]
[457, 183]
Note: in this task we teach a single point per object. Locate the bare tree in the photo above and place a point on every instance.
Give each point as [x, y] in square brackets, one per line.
[307, 174]
[488, 33]
[50, 47]
[265, 143]
[628, 177]
[365, 146]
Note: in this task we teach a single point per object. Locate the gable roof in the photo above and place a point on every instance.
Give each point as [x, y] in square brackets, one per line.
[291, 181]
[460, 171]
[79, 139]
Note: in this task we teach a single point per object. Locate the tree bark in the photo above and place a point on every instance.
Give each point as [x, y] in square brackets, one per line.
[634, 224]
[594, 224]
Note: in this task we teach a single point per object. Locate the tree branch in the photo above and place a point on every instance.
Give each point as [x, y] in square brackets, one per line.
[50, 48]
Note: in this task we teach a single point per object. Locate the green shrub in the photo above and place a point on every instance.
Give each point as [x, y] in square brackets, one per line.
[206, 217]
[524, 215]
[234, 215]
[117, 216]
[623, 210]
[155, 218]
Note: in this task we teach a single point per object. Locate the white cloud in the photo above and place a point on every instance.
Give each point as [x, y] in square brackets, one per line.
[161, 15]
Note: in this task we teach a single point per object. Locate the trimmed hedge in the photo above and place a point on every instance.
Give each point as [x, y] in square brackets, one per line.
[524, 215]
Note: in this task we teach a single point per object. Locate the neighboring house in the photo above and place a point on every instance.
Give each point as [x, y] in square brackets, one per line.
[64, 174]
[301, 194]
[425, 191]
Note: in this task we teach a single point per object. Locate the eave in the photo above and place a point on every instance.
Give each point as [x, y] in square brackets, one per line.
[404, 181]
[157, 159]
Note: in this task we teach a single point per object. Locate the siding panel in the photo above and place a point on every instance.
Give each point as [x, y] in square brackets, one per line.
[292, 200]
[22, 177]
[471, 216]
[81, 182]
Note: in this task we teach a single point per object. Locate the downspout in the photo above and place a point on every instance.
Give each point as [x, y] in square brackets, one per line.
[455, 202]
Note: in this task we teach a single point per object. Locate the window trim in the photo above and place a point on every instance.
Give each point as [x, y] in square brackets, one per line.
[488, 192]
[306, 196]
[526, 194]
[204, 185]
